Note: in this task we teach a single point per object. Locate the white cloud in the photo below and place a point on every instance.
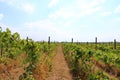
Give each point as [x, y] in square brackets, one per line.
[27, 7]
[8, 1]
[81, 8]
[45, 28]
[117, 10]
[45, 24]
[68, 23]
[106, 13]
[89, 11]
[88, 4]
[53, 3]
[117, 19]
[1, 16]
[89, 7]
[63, 13]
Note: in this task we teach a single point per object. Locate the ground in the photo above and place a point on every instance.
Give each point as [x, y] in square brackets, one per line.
[60, 70]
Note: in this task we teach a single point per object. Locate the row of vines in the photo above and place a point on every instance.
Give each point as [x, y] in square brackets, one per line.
[24, 59]
[88, 63]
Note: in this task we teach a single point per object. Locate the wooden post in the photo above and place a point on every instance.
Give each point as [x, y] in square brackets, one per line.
[114, 43]
[27, 40]
[49, 40]
[72, 40]
[87, 43]
[96, 43]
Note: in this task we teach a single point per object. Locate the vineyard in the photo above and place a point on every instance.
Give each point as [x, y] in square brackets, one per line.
[26, 59]
[91, 61]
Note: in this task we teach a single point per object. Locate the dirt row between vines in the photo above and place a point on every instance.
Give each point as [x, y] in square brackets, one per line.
[60, 70]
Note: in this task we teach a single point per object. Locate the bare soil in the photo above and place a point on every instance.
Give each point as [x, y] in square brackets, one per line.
[60, 70]
[12, 69]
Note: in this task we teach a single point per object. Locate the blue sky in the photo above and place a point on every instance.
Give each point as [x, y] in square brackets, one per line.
[82, 20]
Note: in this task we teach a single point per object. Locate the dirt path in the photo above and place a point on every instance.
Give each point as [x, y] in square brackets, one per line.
[60, 68]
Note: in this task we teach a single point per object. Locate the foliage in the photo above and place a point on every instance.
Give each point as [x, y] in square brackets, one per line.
[12, 46]
[80, 58]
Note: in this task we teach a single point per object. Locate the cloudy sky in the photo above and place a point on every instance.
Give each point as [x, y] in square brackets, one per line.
[82, 20]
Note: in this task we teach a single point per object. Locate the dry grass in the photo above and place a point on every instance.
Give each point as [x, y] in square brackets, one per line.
[11, 69]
